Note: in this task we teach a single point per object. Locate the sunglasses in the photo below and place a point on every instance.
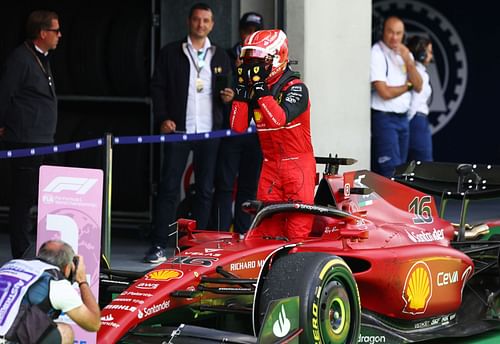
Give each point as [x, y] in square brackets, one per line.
[53, 30]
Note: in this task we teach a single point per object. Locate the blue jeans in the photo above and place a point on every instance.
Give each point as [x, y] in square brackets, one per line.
[240, 160]
[174, 163]
[420, 138]
[390, 139]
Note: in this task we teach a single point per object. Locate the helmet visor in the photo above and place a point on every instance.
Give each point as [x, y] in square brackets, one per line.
[248, 53]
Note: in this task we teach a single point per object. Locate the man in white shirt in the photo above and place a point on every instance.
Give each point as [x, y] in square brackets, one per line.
[185, 100]
[392, 74]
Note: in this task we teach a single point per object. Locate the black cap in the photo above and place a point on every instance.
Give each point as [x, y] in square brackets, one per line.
[251, 19]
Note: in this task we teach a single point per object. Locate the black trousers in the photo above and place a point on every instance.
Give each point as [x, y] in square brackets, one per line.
[238, 166]
[23, 196]
[174, 163]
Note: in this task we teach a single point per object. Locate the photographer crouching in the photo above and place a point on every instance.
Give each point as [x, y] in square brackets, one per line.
[34, 292]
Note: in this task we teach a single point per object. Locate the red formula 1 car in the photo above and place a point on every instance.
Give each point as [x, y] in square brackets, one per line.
[380, 265]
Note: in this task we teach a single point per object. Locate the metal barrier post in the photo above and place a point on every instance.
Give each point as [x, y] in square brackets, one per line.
[106, 212]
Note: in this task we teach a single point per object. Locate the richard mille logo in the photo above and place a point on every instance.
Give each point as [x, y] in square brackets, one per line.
[448, 72]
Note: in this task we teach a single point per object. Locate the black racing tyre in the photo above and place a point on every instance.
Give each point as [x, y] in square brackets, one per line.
[330, 316]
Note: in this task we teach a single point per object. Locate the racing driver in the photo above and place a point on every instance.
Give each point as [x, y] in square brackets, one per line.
[270, 92]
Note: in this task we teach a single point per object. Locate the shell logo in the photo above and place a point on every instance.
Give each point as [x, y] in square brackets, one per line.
[417, 291]
[164, 275]
[257, 116]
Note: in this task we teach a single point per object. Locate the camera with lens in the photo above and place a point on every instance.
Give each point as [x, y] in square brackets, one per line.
[72, 274]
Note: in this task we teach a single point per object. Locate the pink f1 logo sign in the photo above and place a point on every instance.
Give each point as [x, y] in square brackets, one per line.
[70, 209]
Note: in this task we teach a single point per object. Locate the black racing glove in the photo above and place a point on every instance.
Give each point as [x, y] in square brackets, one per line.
[258, 74]
[241, 91]
[260, 90]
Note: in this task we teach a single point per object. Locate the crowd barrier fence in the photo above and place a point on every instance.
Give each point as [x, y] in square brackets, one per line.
[107, 142]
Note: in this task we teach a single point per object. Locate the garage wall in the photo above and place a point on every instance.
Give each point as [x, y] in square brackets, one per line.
[331, 40]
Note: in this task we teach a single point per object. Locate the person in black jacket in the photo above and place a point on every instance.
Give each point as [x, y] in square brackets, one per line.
[28, 116]
[185, 100]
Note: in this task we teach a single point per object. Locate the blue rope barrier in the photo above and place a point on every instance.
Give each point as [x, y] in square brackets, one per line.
[118, 140]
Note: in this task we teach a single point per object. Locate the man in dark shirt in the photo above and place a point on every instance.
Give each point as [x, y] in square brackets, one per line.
[28, 116]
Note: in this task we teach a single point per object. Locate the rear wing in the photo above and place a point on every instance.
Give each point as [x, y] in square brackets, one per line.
[463, 182]
[452, 180]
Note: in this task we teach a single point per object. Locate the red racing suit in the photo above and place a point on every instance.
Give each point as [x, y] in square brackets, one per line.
[289, 168]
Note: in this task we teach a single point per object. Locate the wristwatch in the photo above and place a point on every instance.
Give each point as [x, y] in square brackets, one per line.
[409, 85]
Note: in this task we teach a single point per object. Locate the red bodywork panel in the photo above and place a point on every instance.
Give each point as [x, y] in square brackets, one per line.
[394, 242]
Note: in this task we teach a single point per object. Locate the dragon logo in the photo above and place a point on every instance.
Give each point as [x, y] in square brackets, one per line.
[448, 71]
[282, 326]
[417, 291]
